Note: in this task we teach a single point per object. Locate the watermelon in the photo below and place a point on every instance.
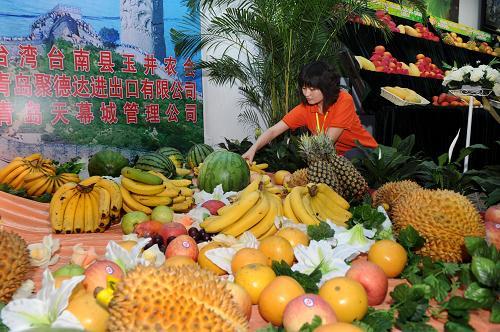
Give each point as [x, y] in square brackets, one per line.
[172, 154]
[107, 163]
[226, 168]
[156, 162]
[197, 154]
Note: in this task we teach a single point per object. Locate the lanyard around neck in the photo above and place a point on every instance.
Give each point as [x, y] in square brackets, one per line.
[318, 129]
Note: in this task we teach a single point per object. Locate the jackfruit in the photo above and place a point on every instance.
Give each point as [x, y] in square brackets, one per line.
[14, 264]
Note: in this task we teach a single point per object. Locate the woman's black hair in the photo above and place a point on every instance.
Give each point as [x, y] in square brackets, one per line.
[322, 76]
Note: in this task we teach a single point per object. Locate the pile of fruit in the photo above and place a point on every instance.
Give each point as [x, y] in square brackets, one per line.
[404, 93]
[453, 39]
[445, 99]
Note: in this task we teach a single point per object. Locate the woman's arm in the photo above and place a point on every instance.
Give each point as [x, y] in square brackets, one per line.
[334, 133]
[265, 138]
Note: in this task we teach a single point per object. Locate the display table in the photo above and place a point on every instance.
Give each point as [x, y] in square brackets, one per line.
[30, 220]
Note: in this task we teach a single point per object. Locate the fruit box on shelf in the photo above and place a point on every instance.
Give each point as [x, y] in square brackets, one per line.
[401, 102]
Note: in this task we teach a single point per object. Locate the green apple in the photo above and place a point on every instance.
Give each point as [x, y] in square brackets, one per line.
[131, 219]
[162, 214]
[68, 270]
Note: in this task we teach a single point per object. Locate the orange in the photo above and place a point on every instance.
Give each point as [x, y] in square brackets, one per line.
[279, 176]
[254, 278]
[276, 296]
[347, 297]
[338, 327]
[277, 248]
[247, 256]
[294, 236]
[179, 261]
[206, 263]
[390, 256]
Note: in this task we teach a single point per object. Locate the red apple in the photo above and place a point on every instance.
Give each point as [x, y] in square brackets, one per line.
[97, 273]
[373, 279]
[182, 245]
[171, 229]
[493, 214]
[213, 206]
[148, 228]
[302, 309]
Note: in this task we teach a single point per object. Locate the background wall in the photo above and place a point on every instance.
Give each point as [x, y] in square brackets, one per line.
[220, 103]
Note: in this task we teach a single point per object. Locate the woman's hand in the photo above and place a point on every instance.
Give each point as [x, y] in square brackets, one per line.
[264, 139]
[249, 155]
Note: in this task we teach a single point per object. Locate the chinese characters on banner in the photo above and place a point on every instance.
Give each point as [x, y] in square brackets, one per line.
[156, 93]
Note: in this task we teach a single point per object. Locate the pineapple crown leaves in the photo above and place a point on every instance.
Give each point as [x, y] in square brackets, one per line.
[317, 147]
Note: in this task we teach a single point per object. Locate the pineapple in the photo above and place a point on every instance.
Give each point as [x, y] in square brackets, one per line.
[325, 166]
[316, 150]
[299, 178]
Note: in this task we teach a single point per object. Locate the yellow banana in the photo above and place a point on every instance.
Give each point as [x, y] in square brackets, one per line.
[91, 205]
[18, 182]
[34, 176]
[183, 206]
[132, 203]
[89, 181]
[170, 192]
[15, 173]
[233, 212]
[270, 232]
[181, 182]
[70, 213]
[50, 187]
[186, 191]
[141, 188]
[104, 203]
[266, 179]
[298, 207]
[268, 221]
[95, 211]
[333, 196]
[70, 177]
[178, 199]
[43, 189]
[153, 200]
[306, 200]
[116, 198]
[331, 211]
[287, 210]
[33, 157]
[34, 186]
[262, 166]
[79, 219]
[126, 208]
[250, 218]
[274, 190]
[253, 186]
[15, 163]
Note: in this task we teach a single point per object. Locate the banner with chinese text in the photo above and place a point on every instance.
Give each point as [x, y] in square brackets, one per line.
[86, 74]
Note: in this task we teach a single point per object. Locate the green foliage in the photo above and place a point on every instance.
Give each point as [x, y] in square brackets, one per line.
[45, 198]
[310, 327]
[71, 166]
[388, 163]
[307, 281]
[368, 217]
[272, 40]
[320, 231]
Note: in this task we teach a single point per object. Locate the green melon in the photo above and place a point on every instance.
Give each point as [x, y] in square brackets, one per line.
[226, 168]
[172, 154]
[156, 162]
[197, 154]
[107, 163]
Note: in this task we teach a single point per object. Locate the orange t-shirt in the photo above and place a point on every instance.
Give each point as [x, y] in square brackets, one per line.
[342, 114]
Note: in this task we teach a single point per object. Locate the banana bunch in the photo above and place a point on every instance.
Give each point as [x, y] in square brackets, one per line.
[39, 182]
[254, 210]
[91, 205]
[143, 190]
[16, 171]
[314, 203]
[258, 168]
[269, 186]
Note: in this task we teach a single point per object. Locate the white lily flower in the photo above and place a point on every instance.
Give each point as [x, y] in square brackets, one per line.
[130, 237]
[154, 256]
[476, 74]
[198, 214]
[42, 254]
[218, 194]
[466, 69]
[357, 237]
[386, 232]
[496, 89]
[331, 262]
[46, 309]
[25, 291]
[282, 222]
[127, 260]
[222, 257]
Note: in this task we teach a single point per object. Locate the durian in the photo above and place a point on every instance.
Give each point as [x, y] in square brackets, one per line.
[390, 192]
[14, 264]
[443, 217]
[174, 298]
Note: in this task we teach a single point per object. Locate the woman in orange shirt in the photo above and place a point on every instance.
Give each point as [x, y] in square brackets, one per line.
[324, 107]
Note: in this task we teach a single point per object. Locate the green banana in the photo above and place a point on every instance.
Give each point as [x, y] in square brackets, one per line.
[141, 176]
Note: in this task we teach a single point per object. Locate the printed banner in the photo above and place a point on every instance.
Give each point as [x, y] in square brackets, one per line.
[76, 76]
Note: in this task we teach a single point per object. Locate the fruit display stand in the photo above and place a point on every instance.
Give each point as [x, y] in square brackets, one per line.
[362, 40]
[30, 220]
